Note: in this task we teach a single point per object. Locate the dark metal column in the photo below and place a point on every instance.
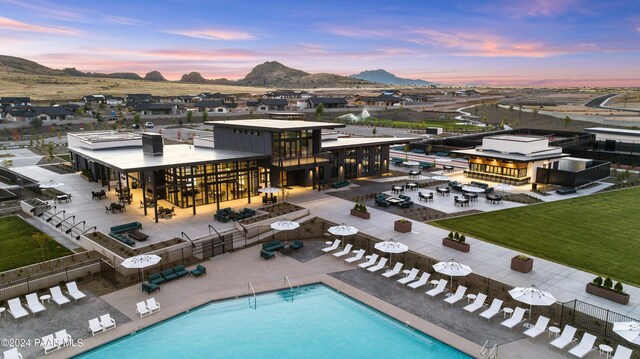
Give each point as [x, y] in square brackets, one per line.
[144, 192]
[193, 190]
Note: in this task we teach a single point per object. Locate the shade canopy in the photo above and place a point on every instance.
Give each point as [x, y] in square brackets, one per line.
[284, 225]
[410, 163]
[269, 190]
[343, 230]
[441, 178]
[141, 261]
[532, 296]
[452, 268]
[472, 189]
[51, 184]
[391, 247]
[630, 331]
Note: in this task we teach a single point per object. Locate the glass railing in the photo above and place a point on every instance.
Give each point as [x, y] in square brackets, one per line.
[303, 160]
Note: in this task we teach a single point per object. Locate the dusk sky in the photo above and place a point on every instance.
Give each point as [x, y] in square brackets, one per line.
[501, 42]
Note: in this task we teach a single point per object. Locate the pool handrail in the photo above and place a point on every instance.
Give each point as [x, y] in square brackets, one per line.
[255, 298]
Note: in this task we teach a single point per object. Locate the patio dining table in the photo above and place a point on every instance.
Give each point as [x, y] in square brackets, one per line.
[443, 191]
[397, 189]
[412, 186]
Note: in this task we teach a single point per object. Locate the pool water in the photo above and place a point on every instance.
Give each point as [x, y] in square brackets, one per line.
[317, 323]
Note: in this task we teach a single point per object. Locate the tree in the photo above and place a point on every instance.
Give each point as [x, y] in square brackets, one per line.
[429, 149]
[42, 240]
[36, 122]
[374, 131]
[567, 121]
[319, 110]
[189, 116]
[136, 118]
[205, 114]
[502, 124]
[407, 148]
[51, 147]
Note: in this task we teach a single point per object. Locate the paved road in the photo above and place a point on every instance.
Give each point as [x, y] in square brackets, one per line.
[596, 102]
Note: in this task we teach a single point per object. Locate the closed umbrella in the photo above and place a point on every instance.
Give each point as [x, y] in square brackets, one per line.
[141, 261]
[285, 225]
[532, 296]
[452, 269]
[391, 247]
[628, 330]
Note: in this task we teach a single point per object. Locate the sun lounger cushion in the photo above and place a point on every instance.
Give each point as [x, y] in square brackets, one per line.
[180, 271]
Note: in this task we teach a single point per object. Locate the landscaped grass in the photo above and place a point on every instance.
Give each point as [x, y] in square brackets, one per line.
[597, 233]
[18, 249]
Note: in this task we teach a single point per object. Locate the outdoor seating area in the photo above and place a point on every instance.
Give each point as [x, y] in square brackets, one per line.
[123, 233]
[269, 249]
[148, 307]
[443, 191]
[227, 214]
[267, 200]
[101, 324]
[339, 184]
[62, 198]
[156, 279]
[166, 213]
[426, 198]
[115, 208]
[493, 199]
[460, 201]
[35, 304]
[98, 194]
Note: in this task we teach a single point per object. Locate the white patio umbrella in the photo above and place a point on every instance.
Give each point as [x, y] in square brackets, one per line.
[51, 184]
[270, 190]
[343, 230]
[452, 269]
[472, 189]
[141, 261]
[630, 331]
[532, 296]
[503, 187]
[410, 163]
[285, 225]
[391, 247]
[441, 178]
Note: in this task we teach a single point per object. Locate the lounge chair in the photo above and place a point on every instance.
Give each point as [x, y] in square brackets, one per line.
[357, 257]
[440, 288]
[333, 247]
[169, 274]
[457, 296]
[150, 287]
[57, 296]
[372, 260]
[200, 270]
[180, 271]
[95, 327]
[16, 309]
[377, 267]
[344, 252]
[477, 304]
[396, 269]
[12, 354]
[410, 277]
[493, 309]
[34, 304]
[141, 308]
[567, 336]
[74, 292]
[585, 346]
[49, 343]
[63, 338]
[423, 281]
[622, 353]
[539, 328]
[153, 305]
[516, 318]
[155, 278]
[107, 322]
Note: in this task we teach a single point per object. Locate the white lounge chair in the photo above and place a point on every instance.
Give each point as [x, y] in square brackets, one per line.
[539, 328]
[107, 322]
[440, 288]
[457, 296]
[396, 269]
[333, 247]
[516, 318]
[34, 304]
[95, 327]
[622, 353]
[493, 309]
[141, 308]
[16, 309]
[423, 281]
[12, 354]
[344, 252]
[410, 277]
[585, 346]
[357, 257]
[49, 343]
[63, 338]
[477, 304]
[152, 305]
[74, 292]
[57, 296]
[372, 260]
[377, 267]
[567, 336]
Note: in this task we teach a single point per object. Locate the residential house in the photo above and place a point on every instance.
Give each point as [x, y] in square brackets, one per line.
[148, 108]
[215, 106]
[19, 113]
[286, 94]
[132, 99]
[381, 100]
[94, 99]
[267, 104]
[53, 113]
[327, 102]
[14, 101]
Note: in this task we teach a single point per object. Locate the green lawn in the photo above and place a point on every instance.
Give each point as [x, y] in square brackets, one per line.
[598, 233]
[18, 249]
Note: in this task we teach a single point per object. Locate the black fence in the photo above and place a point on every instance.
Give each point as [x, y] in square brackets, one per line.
[571, 178]
[631, 159]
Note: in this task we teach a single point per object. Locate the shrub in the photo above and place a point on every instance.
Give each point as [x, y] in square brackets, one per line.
[597, 281]
[462, 239]
[450, 235]
[524, 258]
[608, 283]
[618, 287]
[456, 236]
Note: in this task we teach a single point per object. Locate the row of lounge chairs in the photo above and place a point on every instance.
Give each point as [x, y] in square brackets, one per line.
[154, 280]
[101, 324]
[33, 304]
[147, 307]
[339, 184]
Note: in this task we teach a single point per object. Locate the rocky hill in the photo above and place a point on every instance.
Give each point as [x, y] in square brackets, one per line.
[385, 77]
[17, 64]
[115, 75]
[154, 76]
[275, 74]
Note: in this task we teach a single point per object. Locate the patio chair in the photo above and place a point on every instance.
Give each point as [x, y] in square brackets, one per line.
[152, 305]
[344, 252]
[377, 267]
[585, 346]
[74, 292]
[493, 309]
[16, 309]
[12, 354]
[567, 336]
[357, 257]
[516, 318]
[49, 343]
[372, 260]
[141, 308]
[95, 327]
[107, 322]
[423, 281]
[457, 296]
[622, 353]
[200, 270]
[396, 269]
[57, 296]
[539, 328]
[410, 277]
[441, 287]
[63, 338]
[34, 304]
[333, 247]
[477, 304]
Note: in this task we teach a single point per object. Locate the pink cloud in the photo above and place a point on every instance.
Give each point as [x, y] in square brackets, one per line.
[120, 20]
[536, 8]
[203, 54]
[214, 34]
[14, 25]
[49, 10]
[351, 31]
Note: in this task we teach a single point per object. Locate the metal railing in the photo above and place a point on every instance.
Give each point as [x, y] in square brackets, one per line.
[287, 282]
[255, 298]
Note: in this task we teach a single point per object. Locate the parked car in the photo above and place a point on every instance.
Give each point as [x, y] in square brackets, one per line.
[135, 126]
[148, 124]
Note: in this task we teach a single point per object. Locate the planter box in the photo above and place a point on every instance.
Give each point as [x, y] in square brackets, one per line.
[622, 298]
[360, 214]
[452, 243]
[402, 227]
[521, 266]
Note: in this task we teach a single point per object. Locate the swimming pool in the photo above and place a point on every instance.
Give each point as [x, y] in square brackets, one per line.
[317, 323]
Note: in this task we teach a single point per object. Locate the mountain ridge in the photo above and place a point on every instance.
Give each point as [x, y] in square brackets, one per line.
[385, 77]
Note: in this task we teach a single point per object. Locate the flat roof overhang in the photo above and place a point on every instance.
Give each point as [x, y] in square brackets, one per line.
[275, 125]
[348, 142]
[508, 156]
